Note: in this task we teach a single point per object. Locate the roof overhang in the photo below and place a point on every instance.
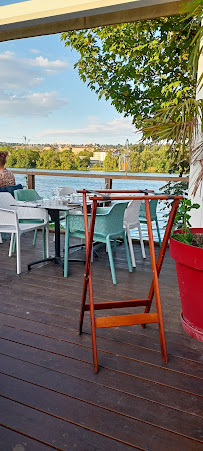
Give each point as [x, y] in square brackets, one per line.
[41, 17]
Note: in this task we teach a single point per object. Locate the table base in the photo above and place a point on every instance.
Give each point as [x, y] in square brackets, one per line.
[57, 260]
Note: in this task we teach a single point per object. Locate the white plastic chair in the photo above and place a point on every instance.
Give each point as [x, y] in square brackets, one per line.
[131, 221]
[9, 222]
[64, 190]
[7, 201]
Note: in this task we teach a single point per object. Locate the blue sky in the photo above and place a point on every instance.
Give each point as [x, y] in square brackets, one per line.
[42, 97]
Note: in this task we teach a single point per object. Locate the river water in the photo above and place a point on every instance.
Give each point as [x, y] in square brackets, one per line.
[46, 187]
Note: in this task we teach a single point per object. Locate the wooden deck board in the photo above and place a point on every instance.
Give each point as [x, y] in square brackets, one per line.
[50, 397]
[11, 440]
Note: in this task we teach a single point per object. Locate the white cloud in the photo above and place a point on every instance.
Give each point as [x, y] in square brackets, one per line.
[29, 105]
[6, 55]
[19, 78]
[34, 51]
[117, 128]
[22, 73]
[55, 65]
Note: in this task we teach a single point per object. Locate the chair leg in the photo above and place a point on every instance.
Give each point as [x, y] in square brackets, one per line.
[47, 240]
[111, 260]
[127, 252]
[14, 244]
[18, 253]
[131, 247]
[0, 238]
[35, 237]
[114, 245]
[11, 245]
[141, 241]
[44, 242]
[65, 273]
[158, 231]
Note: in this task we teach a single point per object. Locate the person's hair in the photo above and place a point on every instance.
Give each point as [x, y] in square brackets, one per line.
[3, 156]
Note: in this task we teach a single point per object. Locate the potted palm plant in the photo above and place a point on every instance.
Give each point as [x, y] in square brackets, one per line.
[180, 124]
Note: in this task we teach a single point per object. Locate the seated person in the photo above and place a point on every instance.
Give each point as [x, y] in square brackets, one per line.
[6, 177]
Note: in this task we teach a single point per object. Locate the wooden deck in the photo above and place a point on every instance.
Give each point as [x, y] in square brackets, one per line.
[50, 397]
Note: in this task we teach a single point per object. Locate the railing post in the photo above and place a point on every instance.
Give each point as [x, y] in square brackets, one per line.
[108, 183]
[31, 181]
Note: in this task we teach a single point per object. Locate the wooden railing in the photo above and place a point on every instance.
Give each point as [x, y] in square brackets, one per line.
[31, 173]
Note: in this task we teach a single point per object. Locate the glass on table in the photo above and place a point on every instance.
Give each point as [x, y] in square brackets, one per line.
[45, 201]
[53, 199]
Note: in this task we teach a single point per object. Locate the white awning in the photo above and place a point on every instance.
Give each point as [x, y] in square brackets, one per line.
[40, 17]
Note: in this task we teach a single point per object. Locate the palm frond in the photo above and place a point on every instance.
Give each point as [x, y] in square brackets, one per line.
[176, 124]
[194, 11]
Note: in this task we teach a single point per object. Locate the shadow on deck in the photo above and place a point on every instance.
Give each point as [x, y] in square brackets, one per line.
[50, 397]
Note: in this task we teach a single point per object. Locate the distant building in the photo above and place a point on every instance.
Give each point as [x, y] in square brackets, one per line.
[77, 149]
[116, 153]
[47, 147]
[61, 148]
[100, 155]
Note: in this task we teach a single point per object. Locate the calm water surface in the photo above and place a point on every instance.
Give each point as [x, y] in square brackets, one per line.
[46, 187]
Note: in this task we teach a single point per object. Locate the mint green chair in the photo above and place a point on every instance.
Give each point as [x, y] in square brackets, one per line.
[108, 226]
[28, 195]
[143, 219]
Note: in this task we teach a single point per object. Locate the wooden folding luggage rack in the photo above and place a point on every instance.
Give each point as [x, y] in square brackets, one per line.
[137, 318]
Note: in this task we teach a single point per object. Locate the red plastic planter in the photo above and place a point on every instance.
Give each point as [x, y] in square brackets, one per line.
[189, 267]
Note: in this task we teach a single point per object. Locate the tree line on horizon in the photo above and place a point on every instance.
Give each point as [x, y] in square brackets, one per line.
[143, 158]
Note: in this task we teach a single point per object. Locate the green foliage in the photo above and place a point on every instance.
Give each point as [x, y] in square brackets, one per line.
[182, 222]
[82, 162]
[48, 159]
[194, 9]
[176, 122]
[151, 158]
[175, 189]
[110, 163]
[22, 158]
[97, 167]
[67, 160]
[148, 70]
[141, 67]
[143, 157]
[175, 125]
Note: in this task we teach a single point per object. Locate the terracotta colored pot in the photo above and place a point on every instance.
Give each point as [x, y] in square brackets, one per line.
[189, 268]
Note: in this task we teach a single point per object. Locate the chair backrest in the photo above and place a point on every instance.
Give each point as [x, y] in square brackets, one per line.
[7, 201]
[109, 222]
[64, 190]
[10, 188]
[27, 213]
[131, 215]
[153, 205]
[8, 218]
[27, 195]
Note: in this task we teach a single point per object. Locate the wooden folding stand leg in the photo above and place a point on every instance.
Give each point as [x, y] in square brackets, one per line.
[88, 277]
[132, 319]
